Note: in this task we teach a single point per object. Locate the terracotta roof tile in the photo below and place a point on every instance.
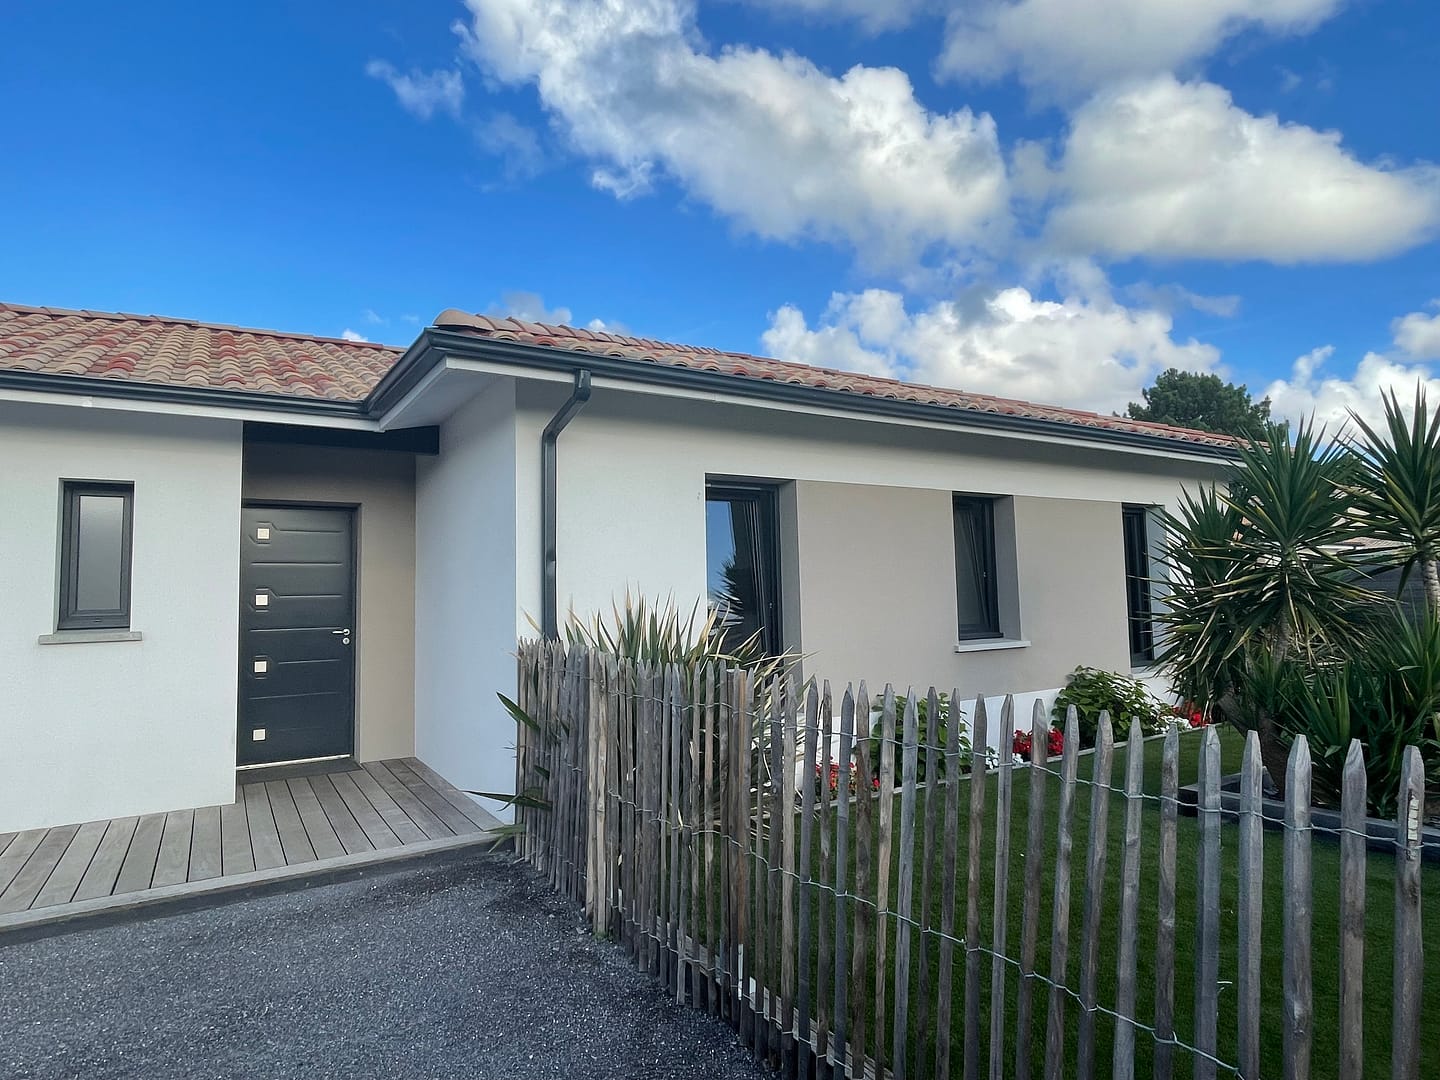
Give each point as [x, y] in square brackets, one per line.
[760, 367]
[180, 352]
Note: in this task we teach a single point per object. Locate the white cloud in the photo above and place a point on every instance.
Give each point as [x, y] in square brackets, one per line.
[1416, 338]
[1061, 47]
[1418, 334]
[423, 93]
[352, 335]
[373, 317]
[873, 15]
[1308, 391]
[517, 146]
[772, 141]
[520, 304]
[1085, 351]
[1171, 169]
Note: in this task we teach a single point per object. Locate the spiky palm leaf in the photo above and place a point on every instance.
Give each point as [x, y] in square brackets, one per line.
[1396, 489]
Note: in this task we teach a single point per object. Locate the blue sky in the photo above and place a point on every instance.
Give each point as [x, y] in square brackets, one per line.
[1048, 199]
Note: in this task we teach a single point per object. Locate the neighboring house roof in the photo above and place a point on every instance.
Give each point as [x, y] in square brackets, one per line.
[182, 352]
[284, 370]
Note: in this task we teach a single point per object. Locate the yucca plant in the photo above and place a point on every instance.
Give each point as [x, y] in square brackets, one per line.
[1395, 491]
[1259, 575]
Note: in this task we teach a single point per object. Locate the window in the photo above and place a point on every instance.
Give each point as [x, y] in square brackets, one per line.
[742, 563]
[1139, 604]
[95, 556]
[975, 585]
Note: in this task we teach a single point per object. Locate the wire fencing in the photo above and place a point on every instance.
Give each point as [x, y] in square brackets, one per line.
[834, 880]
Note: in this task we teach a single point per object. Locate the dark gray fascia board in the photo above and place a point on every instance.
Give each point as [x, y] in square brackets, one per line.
[438, 343]
[206, 396]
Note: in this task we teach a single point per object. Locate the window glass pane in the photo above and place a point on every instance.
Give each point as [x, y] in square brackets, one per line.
[1137, 585]
[99, 560]
[975, 568]
[740, 577]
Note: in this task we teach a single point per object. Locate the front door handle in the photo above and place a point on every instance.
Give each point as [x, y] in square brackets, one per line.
[343, 635]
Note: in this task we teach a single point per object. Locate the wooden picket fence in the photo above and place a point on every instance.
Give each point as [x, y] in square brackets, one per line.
[691, 814]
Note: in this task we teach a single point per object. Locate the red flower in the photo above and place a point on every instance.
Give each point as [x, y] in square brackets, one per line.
[1056, 742]
[1021, 744]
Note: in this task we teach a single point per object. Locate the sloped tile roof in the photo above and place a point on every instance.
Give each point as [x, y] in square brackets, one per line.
[181, 352]
[648, 350]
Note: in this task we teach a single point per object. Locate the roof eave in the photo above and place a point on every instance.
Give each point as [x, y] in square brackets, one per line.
[199, 396]
[435, 343]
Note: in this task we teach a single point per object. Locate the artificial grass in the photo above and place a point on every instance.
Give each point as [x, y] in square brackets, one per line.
[1325, 933]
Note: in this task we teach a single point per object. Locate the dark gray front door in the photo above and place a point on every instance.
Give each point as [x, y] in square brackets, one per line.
[297, 634]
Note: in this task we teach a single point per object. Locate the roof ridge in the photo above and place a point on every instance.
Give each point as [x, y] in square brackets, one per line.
[199, 324]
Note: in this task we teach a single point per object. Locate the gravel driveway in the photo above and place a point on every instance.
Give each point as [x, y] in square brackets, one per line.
[470, 970]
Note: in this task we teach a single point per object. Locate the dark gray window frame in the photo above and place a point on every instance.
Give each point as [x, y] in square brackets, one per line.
[766, 499]
[1139, 595]
[69, 615]
[987, 626]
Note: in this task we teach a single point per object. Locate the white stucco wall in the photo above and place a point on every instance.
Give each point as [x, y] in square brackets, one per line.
[632, 479]
[111, 729]
[465, 594]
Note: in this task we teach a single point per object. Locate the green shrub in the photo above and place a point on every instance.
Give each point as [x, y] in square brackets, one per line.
[922, 735]
[1093, 691]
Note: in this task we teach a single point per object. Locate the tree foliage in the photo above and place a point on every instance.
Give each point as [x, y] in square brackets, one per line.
[1196, 400]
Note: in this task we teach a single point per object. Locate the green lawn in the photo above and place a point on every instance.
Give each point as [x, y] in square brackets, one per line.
[1380, 911]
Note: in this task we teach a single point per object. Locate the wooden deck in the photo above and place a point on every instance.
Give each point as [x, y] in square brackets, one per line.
[303, 821]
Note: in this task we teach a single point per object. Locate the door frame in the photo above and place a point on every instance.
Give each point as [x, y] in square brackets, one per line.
[308, 504]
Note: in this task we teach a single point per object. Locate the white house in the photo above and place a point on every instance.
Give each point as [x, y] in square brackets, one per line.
[225, 548]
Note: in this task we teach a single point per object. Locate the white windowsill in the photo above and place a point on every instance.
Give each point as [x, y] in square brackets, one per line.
[89, 637]
[991, 644]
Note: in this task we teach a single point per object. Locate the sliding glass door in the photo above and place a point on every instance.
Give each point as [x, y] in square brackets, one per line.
[742, 563]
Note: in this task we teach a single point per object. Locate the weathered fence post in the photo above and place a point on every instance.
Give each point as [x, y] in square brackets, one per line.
[1299, 1009]
[1124, 1046]
[1251, 906]
[1409, 947]
[1030, 915]
[1101, 764]
[840, 1036]
[1165, 908]
[864, 879]
[1207, 921]
[979, 736]
[1060, 927]
[1001, 904]
[906, 884]
[945, 981]
[803, 1047]
[1352, 915]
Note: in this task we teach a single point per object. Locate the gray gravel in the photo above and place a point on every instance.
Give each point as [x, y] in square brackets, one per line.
[471, 970]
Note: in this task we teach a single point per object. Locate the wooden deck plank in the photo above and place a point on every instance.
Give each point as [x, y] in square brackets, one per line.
[318, 829]
[104, 868]
[173, 864]
[388, 809]
[19, 850]
[60, 887]
[297, 845]
[138, 869]
[236, 856]
[416, 810]
[264, 835]
[352, 837]
[457, 798]
[205, 855]
[377, 832]
[26, 885]
[438, 804]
